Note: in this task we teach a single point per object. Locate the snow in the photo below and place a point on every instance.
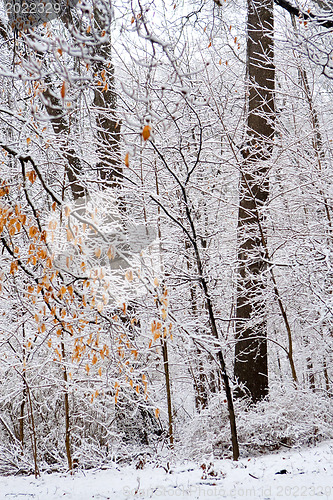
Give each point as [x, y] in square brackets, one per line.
[305, 473]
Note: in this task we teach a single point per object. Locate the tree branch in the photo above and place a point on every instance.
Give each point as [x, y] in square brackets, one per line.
[307, 16]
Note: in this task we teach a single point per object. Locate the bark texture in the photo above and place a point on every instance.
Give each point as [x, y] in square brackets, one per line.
[251, 368]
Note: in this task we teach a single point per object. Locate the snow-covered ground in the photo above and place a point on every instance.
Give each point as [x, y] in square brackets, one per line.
[304, 473]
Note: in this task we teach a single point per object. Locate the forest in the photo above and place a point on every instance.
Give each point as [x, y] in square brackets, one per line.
[166, 220]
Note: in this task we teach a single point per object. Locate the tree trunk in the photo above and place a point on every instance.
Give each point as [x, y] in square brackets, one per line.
[67, 416]
[105, 102]
[251, 368]
[168, 388]
[164, 344]
[61, 128]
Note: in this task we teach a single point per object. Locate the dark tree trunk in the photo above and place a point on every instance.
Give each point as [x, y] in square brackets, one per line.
[168, 388]
[251, 368]
[60, 125]
[108, 126]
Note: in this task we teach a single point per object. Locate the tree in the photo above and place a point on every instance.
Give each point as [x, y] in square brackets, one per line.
[251, 368]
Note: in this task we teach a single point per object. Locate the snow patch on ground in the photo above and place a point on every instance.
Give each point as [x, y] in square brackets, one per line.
[305, 473]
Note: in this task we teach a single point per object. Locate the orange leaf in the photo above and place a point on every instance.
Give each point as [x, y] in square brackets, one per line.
[42, 254]
[33, 231]
[157, 413]
[13, 267]
[126, 161]
[31, 176]
[129, 275]
[58, 354]
[111, 252]
[63, 90]
[146, 132]
[157, 335]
